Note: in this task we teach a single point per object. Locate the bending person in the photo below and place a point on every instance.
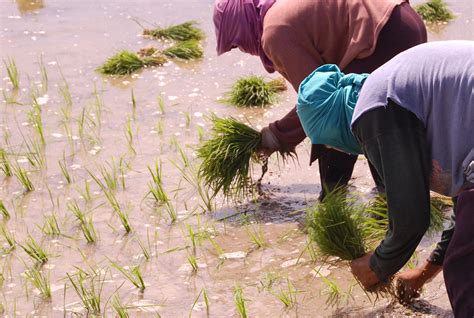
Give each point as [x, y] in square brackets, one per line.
[414, 121]
[295, 37]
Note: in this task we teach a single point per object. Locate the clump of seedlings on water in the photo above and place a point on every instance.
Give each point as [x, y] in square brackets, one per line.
[40, 281]
[34, 250]
[181, 32]
[254, 91]
[12, 72]
[133, 275]
[88, 287]
[126, 63]
[435, 12]
[186, 50]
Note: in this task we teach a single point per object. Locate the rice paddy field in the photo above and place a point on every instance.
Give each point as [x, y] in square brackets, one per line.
[102, 210]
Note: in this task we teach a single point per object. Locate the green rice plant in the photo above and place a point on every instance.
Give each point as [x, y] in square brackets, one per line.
[156, 188]
[123, 215]
[123, 63]
[159, 126]
[35, 153]
[129, 135]
[192, 260]
[120, 310]
[434, 11]
[256, 236]
[64, 169]
[227, 156]
[333, 293]
[23, 177]
[161, 104]
[51, 225]
[88, 230]
[12, 72]
[66, 109]
[34, 250]
[205, 298]
[146, 250]
[5, 164]
[200, 132]
[287, 296]
[35, 118]
[76, 211]
[336, 228]
[253, 91]
[239, 302]
[89, 289]
[98, 104]
[134, 105]
[44, 75]
[186, 50]
[40, 281]
[134, 275]
[188, 119]
[86, 193]
[8, 237]
[180, 32]
[3, 210]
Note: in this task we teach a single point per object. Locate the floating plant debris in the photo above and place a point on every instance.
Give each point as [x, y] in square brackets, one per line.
[126, 63]
[434, 11]
[180, 32]
[254, 91]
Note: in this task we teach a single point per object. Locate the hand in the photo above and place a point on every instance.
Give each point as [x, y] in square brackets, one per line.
[361, 270]
[270, 142]
[410, 282]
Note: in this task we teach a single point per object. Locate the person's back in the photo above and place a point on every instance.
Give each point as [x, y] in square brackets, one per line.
[435, 81]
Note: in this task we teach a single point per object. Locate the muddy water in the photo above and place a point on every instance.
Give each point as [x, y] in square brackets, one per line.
[73, 38]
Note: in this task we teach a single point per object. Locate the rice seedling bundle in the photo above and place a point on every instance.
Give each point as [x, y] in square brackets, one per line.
[186, 50]
[254, 91]
[227, 156]
[180, 32]
[434, 11]
[126, 63]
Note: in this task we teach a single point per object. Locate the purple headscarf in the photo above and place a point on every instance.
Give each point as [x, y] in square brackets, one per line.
[239, 23]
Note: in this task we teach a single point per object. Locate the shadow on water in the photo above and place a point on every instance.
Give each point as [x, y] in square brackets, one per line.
[27, 6]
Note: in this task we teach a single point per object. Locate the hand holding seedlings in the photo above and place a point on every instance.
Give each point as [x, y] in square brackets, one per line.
[360, 268]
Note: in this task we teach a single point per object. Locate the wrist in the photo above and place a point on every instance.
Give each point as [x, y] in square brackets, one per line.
[430, 270]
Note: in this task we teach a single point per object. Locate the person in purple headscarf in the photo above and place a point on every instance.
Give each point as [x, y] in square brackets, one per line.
[294, 38]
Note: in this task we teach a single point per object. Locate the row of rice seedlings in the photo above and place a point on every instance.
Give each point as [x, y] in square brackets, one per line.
[254, 91]
[5, 164]
[239, 302]
[256, 236]
[51, 225]
[65, 170]
[34, 250]
[120, 309]
[23, 178]
[3, 210]
[186, 50]
[129, 135]
[180, 32]
[434, 11]
[134, 275]
[205, 298]
[88, 287]
[287, 296]
[40, 281]
[35, 118]
[126, 63]
[227, 156]
[12, 72]
[8, 238]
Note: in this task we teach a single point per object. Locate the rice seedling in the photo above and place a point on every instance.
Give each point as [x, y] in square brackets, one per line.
[34, 250]
[88, 230]
[126, 63]
[64, 169]
[336, 228]
[188, 117]
[134, 105]
[192, 260]
[35, 118]
[155, 187]
[256, 236]
[76, 211]
[120, 310]
[186, 50]
[134, 275]
[434, 11]
[333, 293]
[12, 72]
[161, 104]
[123, 215]
[51, 225]
[35, 153]
[146, 250]
[239, 302]
[44, 75]
[227, 156]
[5, 164]
[98, 104]
[180, 32]
[205, 298]
[253, 91]
[3, 210]
[40, 281]
[23, 178]
[159, 126]
[8, 237]
[66, 109]
[287, 296]
[86, 194]
[200, 132]
[129, 135]
[88, 288]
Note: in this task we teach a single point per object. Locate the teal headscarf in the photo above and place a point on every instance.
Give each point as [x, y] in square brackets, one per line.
[326, 101]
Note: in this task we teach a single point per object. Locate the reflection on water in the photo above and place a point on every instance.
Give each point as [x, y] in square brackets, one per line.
[26, 6]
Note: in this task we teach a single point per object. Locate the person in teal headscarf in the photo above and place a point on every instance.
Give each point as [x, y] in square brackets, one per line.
[413, 119]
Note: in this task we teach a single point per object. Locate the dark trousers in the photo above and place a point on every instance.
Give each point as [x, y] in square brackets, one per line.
[458, 266]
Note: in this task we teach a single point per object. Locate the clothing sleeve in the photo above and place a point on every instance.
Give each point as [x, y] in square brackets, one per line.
[294, 61]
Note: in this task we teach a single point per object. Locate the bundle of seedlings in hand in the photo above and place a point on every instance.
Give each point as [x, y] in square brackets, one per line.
[227, 156]
[434, 11]
[126, 63]
[181, 32]
[186, 50]
[254, 91]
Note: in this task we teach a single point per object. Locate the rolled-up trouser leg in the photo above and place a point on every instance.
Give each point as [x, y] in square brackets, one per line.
[458, 266]
[335, 169]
